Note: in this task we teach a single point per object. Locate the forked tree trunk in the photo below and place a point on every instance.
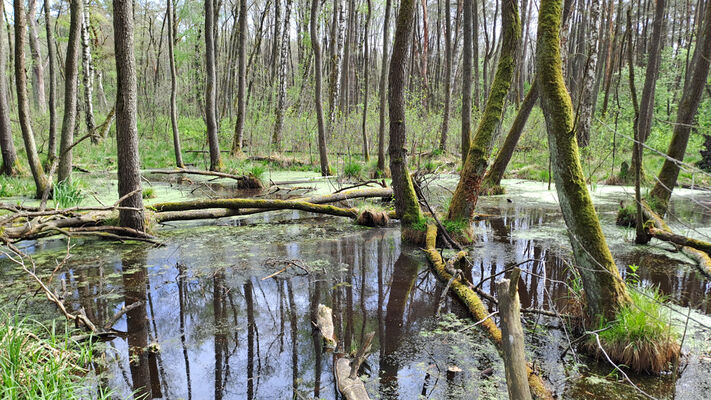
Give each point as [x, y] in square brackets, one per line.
[7, 147]
[283, 59]
[71, 81]
[52, 60]
[38, 97]
[605, 290]
[688, 105]
[467, 193]
[174, 88]
[129, 174]
[407, 207]
[88, 76]
[210, 87]
[383, 88]
[23, 104]
[316, 46]
[241, 79]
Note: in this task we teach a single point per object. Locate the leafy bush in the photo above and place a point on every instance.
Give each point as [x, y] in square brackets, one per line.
[353, 170]
[68, 194]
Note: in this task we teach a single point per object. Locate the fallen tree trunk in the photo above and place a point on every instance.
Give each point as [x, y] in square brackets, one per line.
[476, 307]
[243, 181]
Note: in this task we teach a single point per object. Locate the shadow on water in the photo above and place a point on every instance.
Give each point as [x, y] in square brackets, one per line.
[208, 325]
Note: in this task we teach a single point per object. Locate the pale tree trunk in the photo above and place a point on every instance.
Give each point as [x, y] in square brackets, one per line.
[88, 75]
[336, 47]
[23, 104]
[467, 193]
[447, 74]
[688, 105]
[283, 59]
[7, 147]
[406, 204]
[382, 89]
[52, 145]
[174, 87]
[38, 96]
[71, 81]
[100, 89]
[210, 89]
[316, 46]
[605, 290]
[241, 79]
[467, 79]
[587, 95]
[424, 55]
[366, 81]
[129, 174]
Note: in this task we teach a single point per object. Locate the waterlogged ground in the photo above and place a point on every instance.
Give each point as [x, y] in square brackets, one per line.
[226, 315]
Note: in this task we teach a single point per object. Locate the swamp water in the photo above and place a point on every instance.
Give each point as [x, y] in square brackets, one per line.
[218, 329]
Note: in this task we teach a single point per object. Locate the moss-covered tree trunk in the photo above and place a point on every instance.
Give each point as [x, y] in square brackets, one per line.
[689, 104]
[467, 192]
[604, 288]
[407, 207]
[493, 177]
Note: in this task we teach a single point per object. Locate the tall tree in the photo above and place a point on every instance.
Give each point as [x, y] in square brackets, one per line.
[447, 73]
[88, 75]
[52, 61]
[406, 205]
[241, 78]
[318, 103]
[688, 105]
[467, 193]
[283, 59]
[71, 80]
[38, 95]
[7, 147]
[383, 89]
[129, 174]
[467, 80]
[366, 86]
[210, 87]
[605, 290]
[336, 67]
[174, 85]
[587, 94]
[23, 104]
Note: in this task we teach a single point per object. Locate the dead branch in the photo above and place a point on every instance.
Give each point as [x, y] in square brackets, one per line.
[244, 181]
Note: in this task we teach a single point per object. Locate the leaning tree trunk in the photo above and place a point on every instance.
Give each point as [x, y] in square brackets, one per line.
[129, 174]
[467, 80]
[605, 290]
[173, 88]
[407, 207]
[467, 193]
[241, 79]
[383, 88]
[51, 56]
[71, 80]
[38, 97]
[283, 59]
[88, 76]
[7, 147]
[587, 95]
[493, 177]
[447, 75]
[688, 105]
[316, 46]
[210, 87]
[23, 104]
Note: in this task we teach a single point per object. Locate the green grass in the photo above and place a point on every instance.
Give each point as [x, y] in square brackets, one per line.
[353, 170]
[257, 171]
[68, 194]
[149, 193]
[11, 186]
[37, 362]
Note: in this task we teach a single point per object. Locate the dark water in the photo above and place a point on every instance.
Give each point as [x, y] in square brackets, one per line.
[219, 330]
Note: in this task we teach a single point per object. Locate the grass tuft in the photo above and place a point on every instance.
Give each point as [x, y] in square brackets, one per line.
[68, 194]
[353, 170]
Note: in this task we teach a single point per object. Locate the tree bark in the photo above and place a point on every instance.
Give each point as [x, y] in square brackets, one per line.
[7, 146]
[605, 290]
[88, 76]
[210, 87]
[38, 95]
[383, 88]
[51, 56]
[447, 74]
[467, 79]
[336, 48]
[283, 58]
[23, 104]
[129, 174]
[241, 79]
[587, 94]
[174, 88]
[71, 81]
[467, 193]
[316, 46]
[407, 207]
[366, 81]
[688, 105]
